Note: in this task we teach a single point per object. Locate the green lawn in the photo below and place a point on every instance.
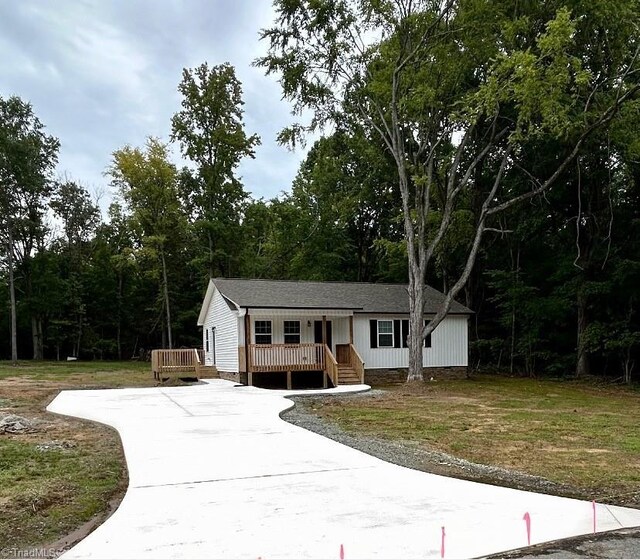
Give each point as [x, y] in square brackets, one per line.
[116, 374]
[583, 435]
[44, 495]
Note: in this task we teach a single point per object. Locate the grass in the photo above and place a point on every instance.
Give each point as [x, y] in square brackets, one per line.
[576, 434]
[581, 435]
[92, 374]
[44, 495]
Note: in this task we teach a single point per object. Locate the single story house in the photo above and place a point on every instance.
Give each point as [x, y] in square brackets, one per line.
[350, 332]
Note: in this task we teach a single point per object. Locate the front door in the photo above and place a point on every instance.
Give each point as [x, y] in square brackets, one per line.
[317, 334]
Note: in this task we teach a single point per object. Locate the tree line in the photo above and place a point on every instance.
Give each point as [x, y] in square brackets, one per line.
[488, 149]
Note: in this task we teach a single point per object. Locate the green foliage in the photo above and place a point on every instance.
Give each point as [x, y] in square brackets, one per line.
[541, 71]
[211, 134]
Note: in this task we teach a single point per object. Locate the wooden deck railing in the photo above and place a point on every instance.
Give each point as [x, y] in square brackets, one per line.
[356, 362]
[286, 357]
[331, 366]
[266, 358]
[182, 360]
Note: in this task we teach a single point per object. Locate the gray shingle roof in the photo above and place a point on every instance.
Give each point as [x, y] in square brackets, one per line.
[357, 296]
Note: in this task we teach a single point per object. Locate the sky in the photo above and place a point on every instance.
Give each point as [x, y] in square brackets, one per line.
[102, 74]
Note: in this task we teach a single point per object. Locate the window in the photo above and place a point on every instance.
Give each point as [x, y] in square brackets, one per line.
[292, 332]
[213, 344]
[427, 340]
[385, 333]
[206, 341]
[405, 335]
[263, 332]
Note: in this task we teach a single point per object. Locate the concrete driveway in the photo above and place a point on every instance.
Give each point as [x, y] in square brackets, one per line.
[215, 473]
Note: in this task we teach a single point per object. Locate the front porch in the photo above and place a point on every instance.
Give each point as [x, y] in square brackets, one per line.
[299, 342]
[346, 368]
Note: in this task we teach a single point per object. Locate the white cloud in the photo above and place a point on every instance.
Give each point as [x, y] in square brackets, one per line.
[104, 74]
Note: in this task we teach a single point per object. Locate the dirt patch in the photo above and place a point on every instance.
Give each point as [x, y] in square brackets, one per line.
[56, 473]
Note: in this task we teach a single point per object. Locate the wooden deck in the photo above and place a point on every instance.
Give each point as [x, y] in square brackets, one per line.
[345, 368]
[348, 368]
[181, 362]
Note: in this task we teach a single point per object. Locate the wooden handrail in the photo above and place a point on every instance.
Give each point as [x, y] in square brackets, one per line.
[331, 365]
[356, 362]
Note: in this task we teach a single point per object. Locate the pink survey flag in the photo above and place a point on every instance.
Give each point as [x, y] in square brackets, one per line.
[527, 520]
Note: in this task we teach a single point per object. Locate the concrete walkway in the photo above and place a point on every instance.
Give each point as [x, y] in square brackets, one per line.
[215, 473]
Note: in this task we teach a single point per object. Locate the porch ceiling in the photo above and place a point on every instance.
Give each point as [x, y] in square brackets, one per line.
[297, 312]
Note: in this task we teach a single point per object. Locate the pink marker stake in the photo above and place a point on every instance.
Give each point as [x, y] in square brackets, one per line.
[341, 552]
[594, 515]
[442, 544]
[527, 520]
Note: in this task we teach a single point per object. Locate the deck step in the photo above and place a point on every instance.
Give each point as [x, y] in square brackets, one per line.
[347, 375]
[210, 372]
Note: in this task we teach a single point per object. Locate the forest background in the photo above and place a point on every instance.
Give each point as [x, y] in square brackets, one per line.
[554, 287]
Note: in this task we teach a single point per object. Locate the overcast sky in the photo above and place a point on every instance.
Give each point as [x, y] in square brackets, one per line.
[101, 74]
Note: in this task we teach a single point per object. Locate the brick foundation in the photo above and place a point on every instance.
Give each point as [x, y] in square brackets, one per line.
[399, 375]
[233, 376]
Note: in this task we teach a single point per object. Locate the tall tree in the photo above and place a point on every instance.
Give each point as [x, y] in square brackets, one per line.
[148, 182]
[346, 184]
[27, 159]
[452, 88]
[211, 134]
[80, 217]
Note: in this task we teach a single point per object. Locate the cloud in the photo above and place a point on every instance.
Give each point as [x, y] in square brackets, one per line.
[104, 74]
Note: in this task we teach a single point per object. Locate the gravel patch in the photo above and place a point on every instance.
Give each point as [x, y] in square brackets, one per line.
[55, 445]
[14, 424]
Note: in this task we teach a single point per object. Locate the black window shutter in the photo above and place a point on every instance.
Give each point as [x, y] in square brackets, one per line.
[405, 333]
[427, 340]
[373, 333]
[396, 333]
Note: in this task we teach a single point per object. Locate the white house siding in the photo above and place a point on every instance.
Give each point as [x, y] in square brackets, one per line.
[449, 344]
[225, 322]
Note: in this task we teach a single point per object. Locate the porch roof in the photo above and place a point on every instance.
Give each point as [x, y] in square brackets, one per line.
[358, 297]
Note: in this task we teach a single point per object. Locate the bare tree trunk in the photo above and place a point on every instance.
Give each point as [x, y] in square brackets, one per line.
[582, 364]
[165, 282]
[78, 343]
[627, 363]
[12, 296]
[36, 335]
[210, 239]
[416, 313]
[119, 329]
[513, 309]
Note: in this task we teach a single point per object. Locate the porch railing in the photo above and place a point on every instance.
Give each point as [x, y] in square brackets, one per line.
[332, 366]
[286, 357]
[356, 362]
[182, 360]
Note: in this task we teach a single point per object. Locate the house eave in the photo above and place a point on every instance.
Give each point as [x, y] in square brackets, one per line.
[373, 312]
[300, 308]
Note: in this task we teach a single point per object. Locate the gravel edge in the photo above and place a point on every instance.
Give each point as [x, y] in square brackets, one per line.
[406, 454]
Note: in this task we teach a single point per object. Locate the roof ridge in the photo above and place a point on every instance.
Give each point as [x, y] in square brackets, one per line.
[317, 281]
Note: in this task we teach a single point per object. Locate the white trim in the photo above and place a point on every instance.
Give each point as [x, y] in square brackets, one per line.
[392, 333]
